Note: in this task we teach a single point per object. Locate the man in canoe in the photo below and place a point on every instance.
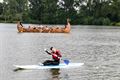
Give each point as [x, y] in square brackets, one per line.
[56, 55]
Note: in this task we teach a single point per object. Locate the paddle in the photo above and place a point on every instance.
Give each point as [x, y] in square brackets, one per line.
[65, 60]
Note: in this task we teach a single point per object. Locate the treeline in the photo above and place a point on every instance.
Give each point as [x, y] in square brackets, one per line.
[88, 12]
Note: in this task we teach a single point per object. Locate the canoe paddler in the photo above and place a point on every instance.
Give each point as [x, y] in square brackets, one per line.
[56, 55]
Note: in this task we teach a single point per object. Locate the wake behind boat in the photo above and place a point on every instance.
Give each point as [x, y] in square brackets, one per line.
[40, 66]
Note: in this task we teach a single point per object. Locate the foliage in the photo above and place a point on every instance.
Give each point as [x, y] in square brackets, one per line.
[117, 24]
[87, 12]
[1, 8]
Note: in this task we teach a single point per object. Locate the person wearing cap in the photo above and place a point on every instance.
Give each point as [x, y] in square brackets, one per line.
[56, 55]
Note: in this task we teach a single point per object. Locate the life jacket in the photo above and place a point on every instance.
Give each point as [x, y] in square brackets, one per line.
[56, 55]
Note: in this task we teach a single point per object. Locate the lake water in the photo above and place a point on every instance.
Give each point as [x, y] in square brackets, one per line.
[96, 46]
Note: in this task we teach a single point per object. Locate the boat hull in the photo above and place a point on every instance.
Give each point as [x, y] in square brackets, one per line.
[43, 29]
[62, 65]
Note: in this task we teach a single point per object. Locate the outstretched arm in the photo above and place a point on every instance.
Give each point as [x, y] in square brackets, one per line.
[48, 52]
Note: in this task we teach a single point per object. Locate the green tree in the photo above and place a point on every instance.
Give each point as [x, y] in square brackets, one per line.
[114, 11]
[36, 9]
[1, 8]
[43, 10]
[98, 12]
[93, 11]
[68, 9]
[13, 9]
[50, 11]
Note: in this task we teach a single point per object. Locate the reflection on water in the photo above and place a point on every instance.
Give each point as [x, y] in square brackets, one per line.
[55, 74]
[18, 69]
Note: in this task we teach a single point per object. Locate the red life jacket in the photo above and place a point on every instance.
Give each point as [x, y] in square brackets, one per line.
[56, 55]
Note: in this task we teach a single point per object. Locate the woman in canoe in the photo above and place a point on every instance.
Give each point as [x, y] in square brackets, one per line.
[56, 55]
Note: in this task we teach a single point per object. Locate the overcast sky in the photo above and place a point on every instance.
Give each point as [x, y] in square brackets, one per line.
[1, 0]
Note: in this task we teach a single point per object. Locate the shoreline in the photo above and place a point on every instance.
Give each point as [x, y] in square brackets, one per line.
[37, 22]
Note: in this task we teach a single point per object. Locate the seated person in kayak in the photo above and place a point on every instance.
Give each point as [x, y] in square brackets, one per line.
[56, 55]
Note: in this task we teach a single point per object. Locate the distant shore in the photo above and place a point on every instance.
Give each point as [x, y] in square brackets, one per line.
[37, 22]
